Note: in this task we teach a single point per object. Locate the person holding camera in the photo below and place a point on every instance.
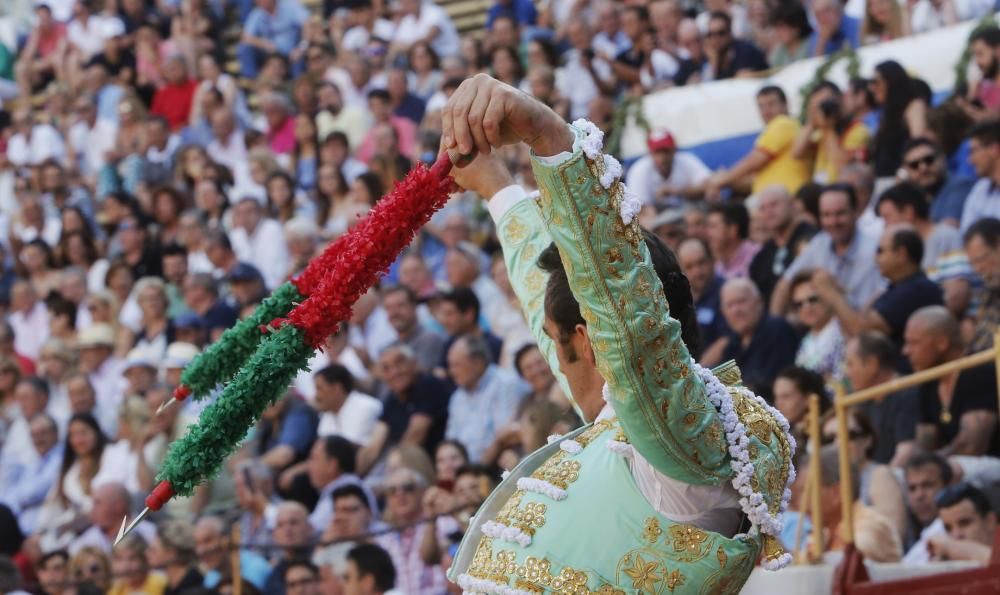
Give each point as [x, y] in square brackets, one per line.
[829, 138]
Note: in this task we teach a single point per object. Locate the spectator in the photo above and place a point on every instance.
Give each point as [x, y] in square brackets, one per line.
[423, 20]
[294, 535]
[842, 247]
[302, 578]
[103, 369]
[787, 237]
[174, 100]
[405, 490]
[110, 504]
[201, 295]
[792, 31]
[370, 571]
[28, 320]
[352, 518]
[667, 177]
[131, 568]
[982, 243]
[579, 79]
[343, 410]
[834, 30]
[32, 397]
[728, 57]
[172, 551]
[380, 106]
[404, 103]
[984, 95]
[891, 87]
[366, 25]
[287, 431]
[983, 199]
[771, 160]
[212, 547]
[486, 399]
[822, 347]
[830, 138]
[959, 411]
[927, 168]
[400, 304]
[259, 240]
[53, 572]
[884, 21]
[273, 26]
[91, 566]
[331, 466]
[944, 260]
[793, 388]
[695, 260]
[415, 408]
[29, 479]
[521, 11]
[926, 474]
[458, 313]
[970, 522]
[728, 228]
[870, 361]
[254, 483]
[899, 254]
[761, 345]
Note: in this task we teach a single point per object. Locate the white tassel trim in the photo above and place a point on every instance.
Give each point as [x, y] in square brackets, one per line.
[552, 438]
[593, 139]
[606, 393]
[631, 205]
[782, 561]
[540, 486]
[752, 503]
[612, 171]
[505, 474]
[471, 584]
[571, 446]
[506, 533]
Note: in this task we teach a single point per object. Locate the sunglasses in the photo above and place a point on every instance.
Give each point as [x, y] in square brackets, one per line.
[406, 488]
[811, 300]
[927, 160]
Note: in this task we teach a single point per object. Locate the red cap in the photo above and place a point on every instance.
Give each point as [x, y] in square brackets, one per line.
[661, 140]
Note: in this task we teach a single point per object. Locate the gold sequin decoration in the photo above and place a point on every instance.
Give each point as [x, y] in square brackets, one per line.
[651, 531]
[644, 574]
[558, 471]
[534, 575]
[688, 540]
[515, 230]
[527, 518]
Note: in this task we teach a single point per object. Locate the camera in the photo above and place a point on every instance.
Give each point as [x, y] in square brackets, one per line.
[830, 108]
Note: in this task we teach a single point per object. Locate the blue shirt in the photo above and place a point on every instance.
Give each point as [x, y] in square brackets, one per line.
[982, 202]
[107, 102]
[25, 483]
[296, 429]
[848, 34]
[475, 416]
[281, 28]
[950, 199]
[253, 568]
[708, 309]
[522, 11]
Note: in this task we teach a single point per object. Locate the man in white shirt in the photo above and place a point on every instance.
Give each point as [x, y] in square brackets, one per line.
[666, 177]
[344, 411]
[33, 143]
[32, 397]
[87, 32]
[229, 147]
[366, 25]
[424, 20]
[259, 241]
[91, 137]
[330, 466]
[29, 318]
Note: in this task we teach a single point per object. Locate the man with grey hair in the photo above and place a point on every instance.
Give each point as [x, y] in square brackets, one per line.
[111, 502]
[785, 237]
[415, 406]
[762, 345]
[211, 545]
[27, 480]
[486, 399]
[959, 411]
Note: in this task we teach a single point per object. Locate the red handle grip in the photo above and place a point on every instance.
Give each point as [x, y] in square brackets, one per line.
[159, 496]
[441, 167]
[182, 392]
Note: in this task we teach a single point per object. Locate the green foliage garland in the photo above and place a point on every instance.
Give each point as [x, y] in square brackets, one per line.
[224, 424]
[629, 105]
[223, 359]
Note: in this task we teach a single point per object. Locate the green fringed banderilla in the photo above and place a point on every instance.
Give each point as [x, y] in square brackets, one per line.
[221, 360]
[198, 456]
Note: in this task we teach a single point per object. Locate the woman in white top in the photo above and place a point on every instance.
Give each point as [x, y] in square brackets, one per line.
[133, 460]
[822, 349]
[426, 77]
[70, 498]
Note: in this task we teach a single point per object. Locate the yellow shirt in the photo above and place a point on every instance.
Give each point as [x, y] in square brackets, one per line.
[854, 140]
[155, 585]
[776, 141]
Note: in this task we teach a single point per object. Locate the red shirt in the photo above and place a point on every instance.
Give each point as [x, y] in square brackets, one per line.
[173, 102]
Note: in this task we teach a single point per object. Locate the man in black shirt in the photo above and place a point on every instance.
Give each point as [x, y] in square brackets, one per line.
[959, 411]
[730, 57]
[870, 359]
[787, 236]
[898, 257]
[415, 407]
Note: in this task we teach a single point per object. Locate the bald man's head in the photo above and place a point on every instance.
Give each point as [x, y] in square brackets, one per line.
[742, 306]
[931, 337]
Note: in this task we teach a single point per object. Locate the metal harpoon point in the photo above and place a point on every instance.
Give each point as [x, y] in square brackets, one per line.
[123, 531]
[163, 407]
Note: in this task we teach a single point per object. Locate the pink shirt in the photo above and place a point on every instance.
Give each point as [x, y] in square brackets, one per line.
[405, 129]
[282, 139]
[739, 264]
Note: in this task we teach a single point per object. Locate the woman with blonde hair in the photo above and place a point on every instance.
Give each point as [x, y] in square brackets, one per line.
[91, 565]
[884, 20]
[131, 569]
[133, 460]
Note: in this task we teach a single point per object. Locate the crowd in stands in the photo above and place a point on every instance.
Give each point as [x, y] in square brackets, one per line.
[165, 164]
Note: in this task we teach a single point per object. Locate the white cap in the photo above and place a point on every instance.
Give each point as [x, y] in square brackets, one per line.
[179, 354]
